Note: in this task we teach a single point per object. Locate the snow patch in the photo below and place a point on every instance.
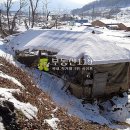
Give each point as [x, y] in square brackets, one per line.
[3, 75]
[55, 110]
[52, 122]
[28, 110]
[4, 54]
[1, 126]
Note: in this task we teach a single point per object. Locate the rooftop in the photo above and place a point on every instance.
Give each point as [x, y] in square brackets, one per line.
[71, 44]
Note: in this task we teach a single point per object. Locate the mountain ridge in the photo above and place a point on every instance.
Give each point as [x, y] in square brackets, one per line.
[102, 3]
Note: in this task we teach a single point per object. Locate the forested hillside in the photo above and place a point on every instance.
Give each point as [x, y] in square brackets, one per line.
[102, 3]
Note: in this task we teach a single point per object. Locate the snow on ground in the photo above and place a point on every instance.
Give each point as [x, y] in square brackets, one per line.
[119, 111]
[78, 29]
[3, 52]
[26, 108]
[89, 112]
[1, 126]
[52, 122]
[21, 28]
[73, 28]
[53, 86]
[11, 79]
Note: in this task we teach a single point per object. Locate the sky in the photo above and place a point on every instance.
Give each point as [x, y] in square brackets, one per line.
[63, 4]
[70, 4]
[82, 2]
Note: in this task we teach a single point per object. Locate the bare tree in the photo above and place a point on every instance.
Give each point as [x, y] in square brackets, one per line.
[57, 17]
[33, 5]
[22, 4]
[0, 20]
[1, 25]
[46, 11]
[11, 21]
[8, 4]
[26, 25]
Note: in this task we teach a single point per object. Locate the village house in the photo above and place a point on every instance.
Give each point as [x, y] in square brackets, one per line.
[111, 24]
[98, 23]
[124, 26]
[103, 66]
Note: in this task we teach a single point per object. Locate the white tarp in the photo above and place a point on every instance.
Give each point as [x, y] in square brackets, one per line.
[70, 44]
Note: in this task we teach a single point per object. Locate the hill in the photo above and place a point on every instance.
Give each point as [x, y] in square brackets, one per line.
[102, 4]
[24, 106]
